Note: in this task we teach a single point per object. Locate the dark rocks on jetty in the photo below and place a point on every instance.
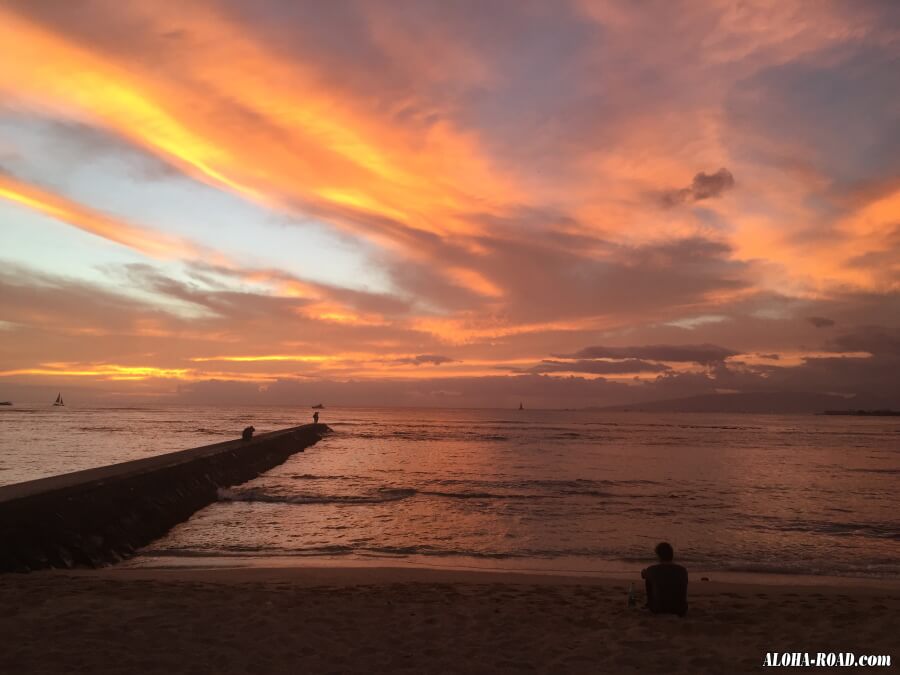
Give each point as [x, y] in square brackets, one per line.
[100, 516]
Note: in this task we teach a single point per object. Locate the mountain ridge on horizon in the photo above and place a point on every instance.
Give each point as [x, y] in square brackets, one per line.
[786, 402]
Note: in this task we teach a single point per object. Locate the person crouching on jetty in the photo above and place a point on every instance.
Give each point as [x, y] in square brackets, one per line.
[666, 583]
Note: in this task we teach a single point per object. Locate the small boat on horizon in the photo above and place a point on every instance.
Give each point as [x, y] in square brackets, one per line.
[58, 400]
[521, 407]
[318, 406]
[5, 402]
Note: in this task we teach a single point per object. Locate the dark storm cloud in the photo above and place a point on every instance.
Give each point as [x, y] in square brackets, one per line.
[703, 354]
[704, 186]
[820, 321]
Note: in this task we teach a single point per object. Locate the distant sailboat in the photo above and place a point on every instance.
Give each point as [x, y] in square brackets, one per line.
[59, 400]
[521, 407]
[5, 402]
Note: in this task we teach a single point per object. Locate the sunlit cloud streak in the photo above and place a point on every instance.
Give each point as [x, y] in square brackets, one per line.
[65, 210]
[308, 148]
[703, 354]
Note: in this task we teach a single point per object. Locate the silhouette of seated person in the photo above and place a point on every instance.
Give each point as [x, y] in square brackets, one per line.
[666, 583]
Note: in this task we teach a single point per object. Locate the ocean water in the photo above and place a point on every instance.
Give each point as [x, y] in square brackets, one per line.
[571, 491]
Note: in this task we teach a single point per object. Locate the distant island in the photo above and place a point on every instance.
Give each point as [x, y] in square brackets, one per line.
[864, 413]
[762, 402]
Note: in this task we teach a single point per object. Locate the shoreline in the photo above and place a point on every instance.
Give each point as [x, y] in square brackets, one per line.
[378, 573]
[698, 576]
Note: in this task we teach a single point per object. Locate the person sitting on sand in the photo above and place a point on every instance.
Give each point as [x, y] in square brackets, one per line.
[666, 583]
[248, 433]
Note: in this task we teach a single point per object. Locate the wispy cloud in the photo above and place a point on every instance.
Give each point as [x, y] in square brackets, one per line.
[703, 354]
[102, 225]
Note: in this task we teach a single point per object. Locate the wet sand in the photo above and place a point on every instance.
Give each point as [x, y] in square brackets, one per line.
[365, 620]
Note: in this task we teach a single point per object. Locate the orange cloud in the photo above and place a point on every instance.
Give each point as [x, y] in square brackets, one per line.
[474, 281]
[94, 222]
[312, 148]
[102, 371]
[346, 366]
[462, 330]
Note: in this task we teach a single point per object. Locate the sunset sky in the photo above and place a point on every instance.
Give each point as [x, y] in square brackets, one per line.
[448, 203]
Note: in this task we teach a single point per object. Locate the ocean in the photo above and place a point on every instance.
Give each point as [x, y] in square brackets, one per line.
[544, 490]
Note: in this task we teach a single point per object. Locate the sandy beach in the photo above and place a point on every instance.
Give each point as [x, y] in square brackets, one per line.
[364, 620]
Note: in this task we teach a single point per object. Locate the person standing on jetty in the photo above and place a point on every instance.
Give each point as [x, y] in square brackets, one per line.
[316, 417]
[666, 583]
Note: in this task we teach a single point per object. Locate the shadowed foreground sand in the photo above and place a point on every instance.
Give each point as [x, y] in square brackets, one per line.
[416, 621]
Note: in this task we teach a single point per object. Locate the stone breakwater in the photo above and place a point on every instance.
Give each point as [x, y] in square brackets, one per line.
[100, 516]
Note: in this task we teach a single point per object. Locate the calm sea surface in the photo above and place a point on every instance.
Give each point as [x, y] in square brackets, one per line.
[574, 491]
